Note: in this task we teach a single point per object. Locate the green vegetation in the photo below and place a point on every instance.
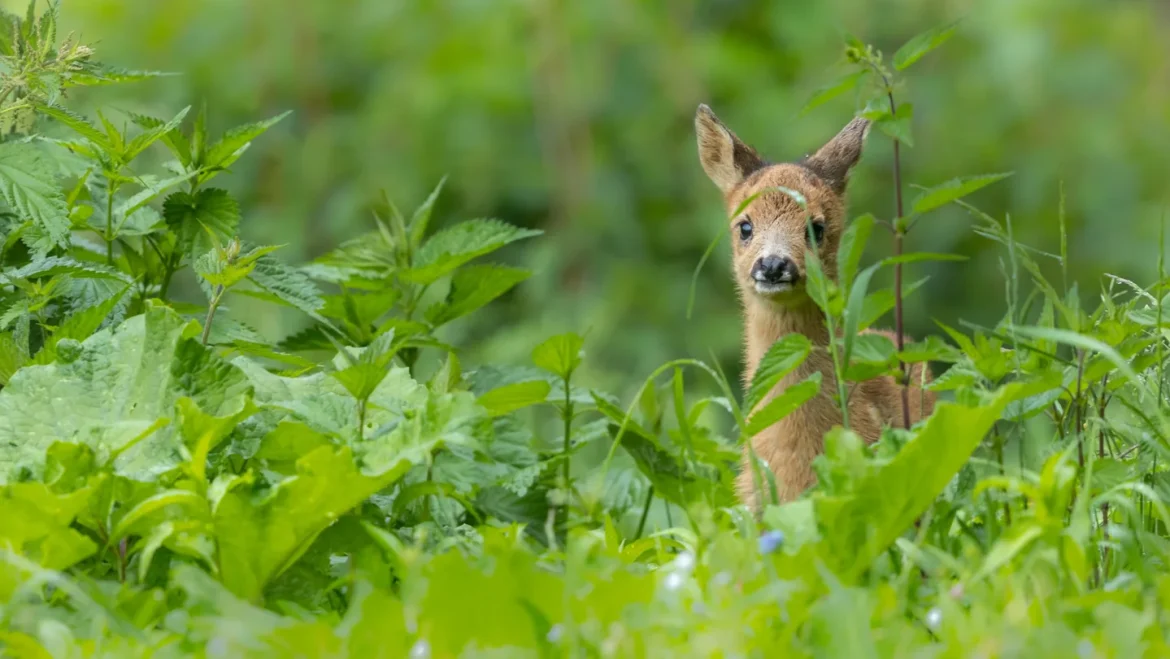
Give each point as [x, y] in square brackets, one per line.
[177, 483]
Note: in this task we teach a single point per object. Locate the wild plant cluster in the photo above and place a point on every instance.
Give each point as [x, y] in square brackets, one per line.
[176, 484]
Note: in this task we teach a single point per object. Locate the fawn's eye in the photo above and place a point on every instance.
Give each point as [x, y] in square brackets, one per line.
[745, 230]
[818, 231]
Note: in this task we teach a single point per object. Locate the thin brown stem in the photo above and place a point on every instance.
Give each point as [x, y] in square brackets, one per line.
[899, 234]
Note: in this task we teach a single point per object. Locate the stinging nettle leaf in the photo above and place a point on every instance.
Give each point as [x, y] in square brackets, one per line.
[472, 288]
[784, 404]
[207, 220]
[28, 183]
[453, 247]
[784, 356]
[957, 188]
[921, 44]
[559, 355]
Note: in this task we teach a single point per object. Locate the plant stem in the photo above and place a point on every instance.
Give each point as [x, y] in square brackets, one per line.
[645, 512]
[211, 312]
[566, 472]
[109, 223]
[899, 233]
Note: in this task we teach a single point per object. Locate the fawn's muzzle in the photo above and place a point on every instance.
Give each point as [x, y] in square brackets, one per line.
[775, 270]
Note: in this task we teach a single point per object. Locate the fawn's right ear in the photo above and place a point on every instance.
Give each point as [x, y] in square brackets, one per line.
[725, 158]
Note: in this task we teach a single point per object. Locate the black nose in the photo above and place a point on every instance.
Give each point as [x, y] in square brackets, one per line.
[774, 270]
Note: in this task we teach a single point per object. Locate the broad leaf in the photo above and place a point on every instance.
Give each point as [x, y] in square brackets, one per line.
[116, 396]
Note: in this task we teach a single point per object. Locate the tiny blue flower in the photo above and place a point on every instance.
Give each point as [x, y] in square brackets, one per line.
[555, 633]
[771, 541]
[934, 618]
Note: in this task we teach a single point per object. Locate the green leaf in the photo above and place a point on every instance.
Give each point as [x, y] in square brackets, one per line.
[143, 141]
[889, 498]
[784, 404]
[921, 44]
[898, 126]
[834, 89]
[37, 524]
[203, 222]
[916, 257]
[472, 288]
[234, 142]
[559, 355]
[852, 247]
[79, 326]
[422, 215]
[262, 534]
[116, 397]
[511, 397]
[463, 242]
[79, 125]
[173, 138]
[12, 357]
[957, 188]
[28, 184]
[288, 286]
[784, 356]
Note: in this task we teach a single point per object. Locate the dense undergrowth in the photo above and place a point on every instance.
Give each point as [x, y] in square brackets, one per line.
[175, 484]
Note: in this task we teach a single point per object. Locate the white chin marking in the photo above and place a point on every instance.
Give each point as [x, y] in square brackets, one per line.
[764, 288]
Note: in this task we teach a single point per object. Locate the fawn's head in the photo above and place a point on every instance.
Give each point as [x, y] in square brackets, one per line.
[771, 234]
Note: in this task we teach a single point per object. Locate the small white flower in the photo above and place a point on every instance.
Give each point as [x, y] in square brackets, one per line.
[934, 618]
[685, 562]
[1085, 649]
[421, 649]
[674, 581]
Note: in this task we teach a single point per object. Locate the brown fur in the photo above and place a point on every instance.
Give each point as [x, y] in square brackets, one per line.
[790, 446]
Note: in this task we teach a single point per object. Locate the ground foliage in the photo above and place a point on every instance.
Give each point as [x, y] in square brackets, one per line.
[176, 484]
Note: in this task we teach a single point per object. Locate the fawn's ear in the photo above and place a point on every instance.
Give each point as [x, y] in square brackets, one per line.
[833, 161]
[725, 158]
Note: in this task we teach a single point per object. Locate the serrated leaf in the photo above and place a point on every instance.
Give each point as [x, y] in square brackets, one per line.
[143, 141]
[784, 404]
[79, 326]
[229, 147]
[957, 188]
[784, 356]
[173, 138]
[288, 285]
[559, 355]
[453, 247]
[28, 184]
[12, 357]
[472, 288]
[922, 43]
[77, 124]
[511, 397]
[202, 222]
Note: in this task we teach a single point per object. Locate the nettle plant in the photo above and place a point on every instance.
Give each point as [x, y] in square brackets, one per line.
[175, 484]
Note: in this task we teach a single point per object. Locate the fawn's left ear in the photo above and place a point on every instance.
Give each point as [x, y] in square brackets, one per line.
[833, 161]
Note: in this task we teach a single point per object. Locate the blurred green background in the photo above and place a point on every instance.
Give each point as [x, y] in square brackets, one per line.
[575, 117]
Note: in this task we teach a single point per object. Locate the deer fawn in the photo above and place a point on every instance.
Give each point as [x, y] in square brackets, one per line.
[769, 240]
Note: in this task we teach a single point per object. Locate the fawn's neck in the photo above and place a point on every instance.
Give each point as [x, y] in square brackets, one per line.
[766, 322]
